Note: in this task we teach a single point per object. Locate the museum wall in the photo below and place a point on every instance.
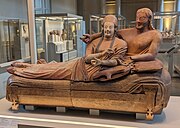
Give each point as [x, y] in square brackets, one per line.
[129, 7]
[68, 6]
[86, 8]
[13, 9]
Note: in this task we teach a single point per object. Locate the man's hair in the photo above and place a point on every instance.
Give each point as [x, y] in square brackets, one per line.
[149, 14]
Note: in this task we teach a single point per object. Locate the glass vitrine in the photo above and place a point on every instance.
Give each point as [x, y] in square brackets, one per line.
[96, 23]
[168, 24]
[14, 40]
[58, 36]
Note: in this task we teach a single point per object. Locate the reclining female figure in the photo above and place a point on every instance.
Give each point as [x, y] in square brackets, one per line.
[106, 50]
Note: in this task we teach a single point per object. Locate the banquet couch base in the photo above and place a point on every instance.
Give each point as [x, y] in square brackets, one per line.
[144, 93]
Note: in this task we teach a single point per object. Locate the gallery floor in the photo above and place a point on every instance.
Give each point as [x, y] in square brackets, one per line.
[48, 118]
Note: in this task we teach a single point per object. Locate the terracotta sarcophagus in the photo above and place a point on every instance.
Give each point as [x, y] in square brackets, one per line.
[141, 92]
[119, 72]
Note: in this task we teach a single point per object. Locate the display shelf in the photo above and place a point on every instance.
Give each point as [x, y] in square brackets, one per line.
[58, 34]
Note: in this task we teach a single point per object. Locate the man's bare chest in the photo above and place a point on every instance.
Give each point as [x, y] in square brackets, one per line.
[141, 40]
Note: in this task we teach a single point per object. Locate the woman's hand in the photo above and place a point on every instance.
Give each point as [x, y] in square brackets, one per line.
[109, 51]
[96, 62]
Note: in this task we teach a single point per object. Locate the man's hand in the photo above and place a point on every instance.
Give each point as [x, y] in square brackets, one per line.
[127, 60]
[85, 38]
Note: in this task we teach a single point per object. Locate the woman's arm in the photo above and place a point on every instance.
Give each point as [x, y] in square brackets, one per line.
[117, 58]
[93, 58]
[111, 62]
[90, 57]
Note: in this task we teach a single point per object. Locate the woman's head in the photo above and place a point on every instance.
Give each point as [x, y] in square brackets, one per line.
[144, 18]
[109, 26]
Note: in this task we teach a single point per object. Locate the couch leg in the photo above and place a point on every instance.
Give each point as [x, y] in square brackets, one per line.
[140, 116]
[15, 105]
[29, 107]
[150, 91]
[60, 109]
[149, 115]
[94, 112]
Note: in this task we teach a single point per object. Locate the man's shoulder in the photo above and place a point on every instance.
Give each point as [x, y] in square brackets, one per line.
[127, 30]
[155, 33]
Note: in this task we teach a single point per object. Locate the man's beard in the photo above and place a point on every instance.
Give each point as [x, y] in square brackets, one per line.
[141, 26]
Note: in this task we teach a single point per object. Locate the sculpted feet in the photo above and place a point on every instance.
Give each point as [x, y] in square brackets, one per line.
[15, 65]
[10, 70]
[20, 65]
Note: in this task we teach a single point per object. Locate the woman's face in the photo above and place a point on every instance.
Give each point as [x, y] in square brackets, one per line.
[108, 29]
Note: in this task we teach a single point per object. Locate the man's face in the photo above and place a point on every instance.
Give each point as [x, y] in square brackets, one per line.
[108, 29]
[141, 20]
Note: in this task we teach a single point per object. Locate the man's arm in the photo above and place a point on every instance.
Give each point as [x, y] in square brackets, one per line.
[89, 38]
[89, 49]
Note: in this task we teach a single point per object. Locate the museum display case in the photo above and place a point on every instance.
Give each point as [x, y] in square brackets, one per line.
[14, 40]
[96, 20]
[58, 36]
[168, 23]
